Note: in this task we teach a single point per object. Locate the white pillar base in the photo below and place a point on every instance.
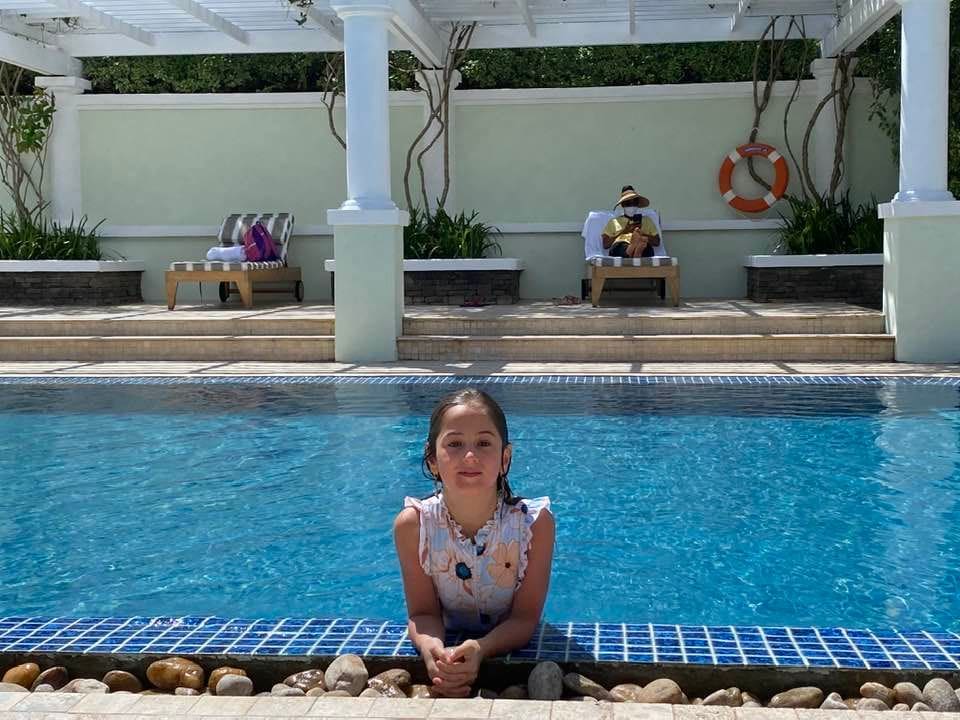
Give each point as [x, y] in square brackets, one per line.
[368, 285]
[920, 290]
[924, 196]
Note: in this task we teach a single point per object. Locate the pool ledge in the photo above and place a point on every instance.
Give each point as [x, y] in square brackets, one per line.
[717, 646]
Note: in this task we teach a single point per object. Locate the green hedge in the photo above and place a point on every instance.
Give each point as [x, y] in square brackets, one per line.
[509, 68]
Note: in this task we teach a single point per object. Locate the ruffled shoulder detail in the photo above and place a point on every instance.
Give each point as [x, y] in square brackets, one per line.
[428, 510]
[529, 509]
[425, 505]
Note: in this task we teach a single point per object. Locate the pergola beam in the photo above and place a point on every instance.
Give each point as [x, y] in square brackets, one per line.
[12, 23]
[325, 23]
[527, 16]
[863, 19]
[208, 17]
[38, 58]
[207, 42]
[418, 32]
[739, 13]
[573, 34]
[75, 8]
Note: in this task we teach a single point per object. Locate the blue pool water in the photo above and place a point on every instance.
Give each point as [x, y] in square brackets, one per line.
[769, 505]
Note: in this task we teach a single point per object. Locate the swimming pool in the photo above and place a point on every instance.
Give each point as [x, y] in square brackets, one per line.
[754, 504]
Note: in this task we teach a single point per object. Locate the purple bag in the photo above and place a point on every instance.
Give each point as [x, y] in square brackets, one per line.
[258, 244]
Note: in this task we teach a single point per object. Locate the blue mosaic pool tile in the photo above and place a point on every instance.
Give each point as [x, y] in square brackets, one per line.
[871, 380]
[590, 642]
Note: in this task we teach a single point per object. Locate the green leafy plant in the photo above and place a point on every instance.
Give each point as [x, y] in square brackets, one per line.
[25, 238]
[442, 235]
[818, 226]
[25, 122]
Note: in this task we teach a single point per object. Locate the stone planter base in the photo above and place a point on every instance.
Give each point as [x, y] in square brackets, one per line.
[104, 283]
[493, 281]
[453, 287]
[805, 278]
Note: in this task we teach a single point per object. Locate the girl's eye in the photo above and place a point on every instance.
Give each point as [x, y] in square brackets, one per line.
[454, 443]
[484, 443]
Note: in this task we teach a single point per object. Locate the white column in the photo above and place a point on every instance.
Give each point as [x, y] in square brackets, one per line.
[921, 247]
[433, 160]
[63, 159]
[368, 226]
[825, 129]
[366, 27]
[925, 67]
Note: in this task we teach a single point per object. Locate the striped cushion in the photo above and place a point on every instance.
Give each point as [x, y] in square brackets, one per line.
[279, 225]
[227, 265]
[602, 261]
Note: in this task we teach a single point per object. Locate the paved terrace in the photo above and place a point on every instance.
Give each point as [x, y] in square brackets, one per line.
[69, 706]
[718, 316]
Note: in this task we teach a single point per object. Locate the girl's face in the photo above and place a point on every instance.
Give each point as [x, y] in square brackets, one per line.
[470, 453]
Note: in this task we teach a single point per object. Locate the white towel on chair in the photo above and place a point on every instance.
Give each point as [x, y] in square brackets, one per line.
[593, 232]
[234, 253]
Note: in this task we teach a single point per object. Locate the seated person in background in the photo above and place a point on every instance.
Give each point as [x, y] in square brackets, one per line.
[631, 234]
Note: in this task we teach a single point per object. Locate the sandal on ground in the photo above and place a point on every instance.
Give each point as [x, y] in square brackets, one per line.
[567, 300]
[474, 302]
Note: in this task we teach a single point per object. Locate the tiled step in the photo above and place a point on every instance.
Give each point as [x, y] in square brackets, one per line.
[171, 324]
[226, 348]
[645, 348]
[691, 323]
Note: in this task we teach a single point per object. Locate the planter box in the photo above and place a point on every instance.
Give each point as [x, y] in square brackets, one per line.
[70, 282]
[450, 282]
[855, 279]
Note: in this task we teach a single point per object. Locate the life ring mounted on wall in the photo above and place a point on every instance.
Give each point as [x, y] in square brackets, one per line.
[779, 183]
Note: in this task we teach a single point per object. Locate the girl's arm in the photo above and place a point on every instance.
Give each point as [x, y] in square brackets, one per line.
[425, 624]
[528, 601]
[462, 664]
[425, 618]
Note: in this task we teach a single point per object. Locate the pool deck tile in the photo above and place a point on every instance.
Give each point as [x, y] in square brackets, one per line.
[213, 705]
[100, 704]
[526, 710]
[390, 708]
[9, 699]
[47, 702]
[341, 707]
[642, 711]
[702, 712]
[475, 709]
[163, 705]
[767, 714]
[291, 706]
[583, 710]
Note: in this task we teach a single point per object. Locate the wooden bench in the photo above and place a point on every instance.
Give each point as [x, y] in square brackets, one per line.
[665, 268]
[242, 275]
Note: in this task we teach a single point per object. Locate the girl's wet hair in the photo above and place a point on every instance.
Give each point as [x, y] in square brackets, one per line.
[480, 399]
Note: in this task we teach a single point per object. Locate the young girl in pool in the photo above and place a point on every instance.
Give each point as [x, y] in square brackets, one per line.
[474, 556]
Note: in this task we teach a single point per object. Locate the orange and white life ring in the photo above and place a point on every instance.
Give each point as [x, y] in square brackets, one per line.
[779, 183]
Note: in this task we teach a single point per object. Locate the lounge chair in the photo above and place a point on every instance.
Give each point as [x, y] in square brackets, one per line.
[602, 266]
[242, 275]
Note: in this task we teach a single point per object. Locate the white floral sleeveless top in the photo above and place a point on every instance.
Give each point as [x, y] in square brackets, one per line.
[475, 579]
